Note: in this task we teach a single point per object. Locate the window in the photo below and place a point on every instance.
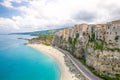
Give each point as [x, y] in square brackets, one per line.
[116, 33]
[116, 38]
[108, 27]
[83, 33]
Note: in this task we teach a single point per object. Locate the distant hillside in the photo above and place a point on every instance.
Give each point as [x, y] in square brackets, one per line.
[37, 33]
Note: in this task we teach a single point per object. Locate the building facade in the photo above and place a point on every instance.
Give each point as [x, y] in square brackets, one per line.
[113, 32]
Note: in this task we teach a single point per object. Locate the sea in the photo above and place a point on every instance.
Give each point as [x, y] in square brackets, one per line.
[21, 62]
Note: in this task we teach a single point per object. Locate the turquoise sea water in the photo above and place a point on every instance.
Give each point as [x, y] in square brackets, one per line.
[20, 62]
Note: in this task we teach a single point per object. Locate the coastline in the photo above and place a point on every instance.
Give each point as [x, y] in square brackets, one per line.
[60, 58]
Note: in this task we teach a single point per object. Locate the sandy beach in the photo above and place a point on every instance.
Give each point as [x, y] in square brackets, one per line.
[59, 58]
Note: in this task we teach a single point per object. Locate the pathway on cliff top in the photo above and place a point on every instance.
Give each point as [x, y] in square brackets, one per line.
[89, 75]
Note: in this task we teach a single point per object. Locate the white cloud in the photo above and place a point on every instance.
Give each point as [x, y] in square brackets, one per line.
[7, 3]
[46, 14]
[6, 23]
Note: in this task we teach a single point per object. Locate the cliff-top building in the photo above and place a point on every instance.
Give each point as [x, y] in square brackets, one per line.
[113, 32]
[100, 31]
[77, 28]
[82, 29]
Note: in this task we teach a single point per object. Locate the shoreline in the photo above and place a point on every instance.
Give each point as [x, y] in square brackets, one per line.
[68, 70]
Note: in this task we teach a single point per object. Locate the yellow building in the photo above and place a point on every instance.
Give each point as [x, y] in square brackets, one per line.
[77, 28]
[84, 27]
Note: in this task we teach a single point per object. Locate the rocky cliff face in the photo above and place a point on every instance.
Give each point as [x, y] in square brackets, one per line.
[106, 62]
[96, 53]
[73, 45]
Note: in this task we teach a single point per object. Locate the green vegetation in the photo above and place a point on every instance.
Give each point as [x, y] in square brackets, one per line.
[116, 38]
[42, 39]
[101, 75]
[70, 40]
[74, 41]
[47, 40]
[117, 76]
[61, 37]
[92, 37]
[99, 46]
[77, 35]
[114, 49]
[82, 60]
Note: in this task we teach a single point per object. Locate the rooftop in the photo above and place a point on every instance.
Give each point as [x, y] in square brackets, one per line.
[116, 22]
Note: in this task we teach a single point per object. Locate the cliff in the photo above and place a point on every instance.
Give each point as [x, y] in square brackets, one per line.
[91, 45]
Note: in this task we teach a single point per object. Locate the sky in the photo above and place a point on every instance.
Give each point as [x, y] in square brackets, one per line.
[36, 15]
